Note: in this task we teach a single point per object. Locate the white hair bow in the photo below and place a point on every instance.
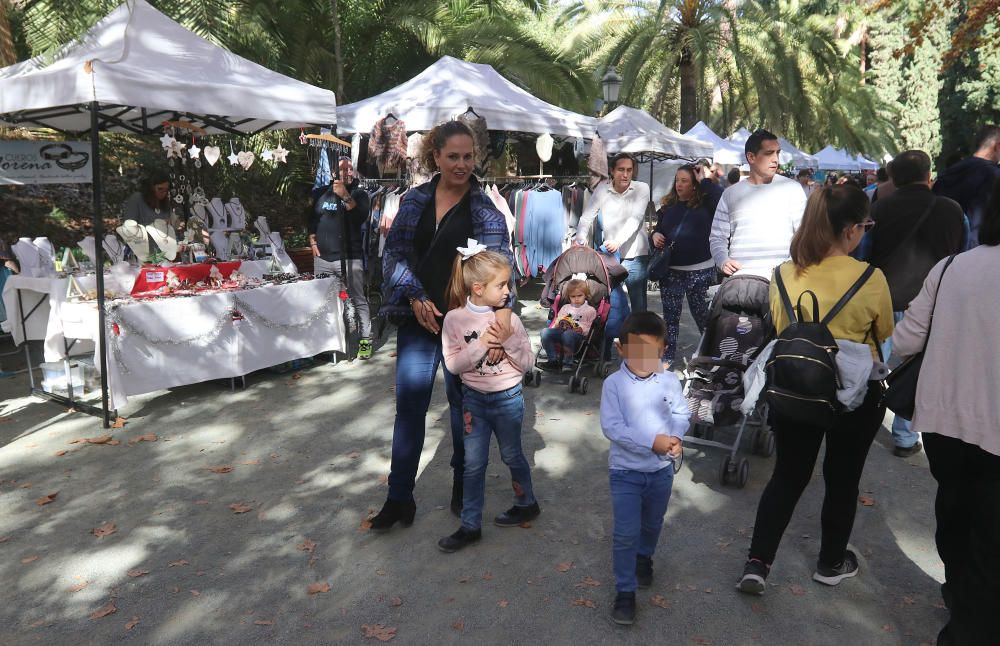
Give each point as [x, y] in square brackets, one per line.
[580, 276]
[472, 249]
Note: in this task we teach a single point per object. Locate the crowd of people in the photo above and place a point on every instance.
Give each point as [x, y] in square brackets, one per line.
[879, 264]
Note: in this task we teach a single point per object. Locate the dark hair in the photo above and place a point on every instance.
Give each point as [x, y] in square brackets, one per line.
[438, 137]
[642, 324]
[733, 176]
[987, 135]
[910, 167]
[989, 229]
[804, 173]
[672, 197]
[620, 156]
[882, 174]
[756, 140]
[148, 185]
[829, 211]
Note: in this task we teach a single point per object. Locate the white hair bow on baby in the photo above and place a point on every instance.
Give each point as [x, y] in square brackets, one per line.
[472, 249]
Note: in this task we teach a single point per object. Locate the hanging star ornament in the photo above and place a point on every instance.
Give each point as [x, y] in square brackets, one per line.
[166, 141]
[302, 137]
[174, 149]
[234, 159]
[194, 151]
[280, 154]
[267, 155]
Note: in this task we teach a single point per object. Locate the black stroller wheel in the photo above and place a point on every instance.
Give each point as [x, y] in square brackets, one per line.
[572, 384]
[742, 473]
[583, 385]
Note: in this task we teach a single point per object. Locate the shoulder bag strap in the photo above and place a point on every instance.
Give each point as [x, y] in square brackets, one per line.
[858, 284]
[783, 293]
[677, 229]
[930, 323]
[912, 232]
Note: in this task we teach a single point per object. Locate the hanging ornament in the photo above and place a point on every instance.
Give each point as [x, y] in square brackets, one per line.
[267, 155]
[194, 150]
[245, 159]
[212, 154]
[302, 137]
[233, 158]
[280, 154]
[175, 149]
[166, 141]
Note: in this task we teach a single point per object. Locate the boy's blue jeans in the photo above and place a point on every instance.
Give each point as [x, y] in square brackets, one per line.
[639, 501]
[570, 340]
[418, 354]
[485, 414]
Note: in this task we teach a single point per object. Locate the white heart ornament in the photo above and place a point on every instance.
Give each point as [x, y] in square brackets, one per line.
[212, 154]
[246, 159]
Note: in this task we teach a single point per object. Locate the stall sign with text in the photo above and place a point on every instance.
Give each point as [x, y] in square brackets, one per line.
[45, 162]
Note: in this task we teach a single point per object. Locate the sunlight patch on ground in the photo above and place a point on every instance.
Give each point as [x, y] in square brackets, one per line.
[918, 546]
[192, 617]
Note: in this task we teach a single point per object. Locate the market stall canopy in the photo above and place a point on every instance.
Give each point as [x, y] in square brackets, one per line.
[448, 88]
[831, 158]
[628, 130]
[789, 153]
[724, 152]
[144, 68]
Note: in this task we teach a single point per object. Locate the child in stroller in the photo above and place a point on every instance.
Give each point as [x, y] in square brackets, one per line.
[571, 326]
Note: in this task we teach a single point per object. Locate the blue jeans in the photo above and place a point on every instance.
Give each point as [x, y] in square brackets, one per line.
[418, 354]
[569, 340]
[901, 433]
[637, 281]
[639, 501]
[487, 414]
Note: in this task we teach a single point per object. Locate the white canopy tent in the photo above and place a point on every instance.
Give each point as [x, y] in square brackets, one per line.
[132, 71]
[628, 130]
[831, 158]
[866, 164]
[143, 68]
[789, 153]
[448, 88]
[724, 152]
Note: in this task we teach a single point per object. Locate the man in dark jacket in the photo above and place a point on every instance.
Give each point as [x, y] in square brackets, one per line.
[914, 229]
[970, 181]
[331, 237]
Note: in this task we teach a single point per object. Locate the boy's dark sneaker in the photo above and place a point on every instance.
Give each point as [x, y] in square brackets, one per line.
[754, 575]
[459, 539]
[517, 515]
[834, 575]
[624, 610]
[644, 570]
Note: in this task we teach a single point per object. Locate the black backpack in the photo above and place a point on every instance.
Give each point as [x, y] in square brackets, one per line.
[802, 376]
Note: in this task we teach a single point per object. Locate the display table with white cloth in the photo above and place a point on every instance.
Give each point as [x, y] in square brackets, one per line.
[158, 344]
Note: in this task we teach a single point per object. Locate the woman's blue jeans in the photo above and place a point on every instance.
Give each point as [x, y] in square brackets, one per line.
[418, 355]
[639, 502]
[486, 414]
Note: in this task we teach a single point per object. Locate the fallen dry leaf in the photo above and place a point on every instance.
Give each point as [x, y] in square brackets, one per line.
[177, 563]
[797, 590]
[458, 625]
[59, 454]
[701, 641]
[118, 423]
[297, 376]
[307, 546]
[29, 559]
[100, 439]
[148, 437]
[316, 588]
[107, 529]
[395, 602]
[487, 576]
[366, 524]
[378, 631]
[867, 501]
[240, 508]
[588, 582]
[222, 468]
[564, 567]
[659, 601]
[105, 610]
[887, 628]
[264, 622]
[353, 455]
[4, 539]
[588, 603]
[195, 593]
[78, 587]
[137, 573]
[44, 500]
[526, 524]
[132, 624]
[463, 579]
[250, 462]
[503, 603]
[201, 502]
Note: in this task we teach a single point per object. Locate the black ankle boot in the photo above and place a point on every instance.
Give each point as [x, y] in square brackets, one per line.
[456, 498]
[459, 539]
[392, 511]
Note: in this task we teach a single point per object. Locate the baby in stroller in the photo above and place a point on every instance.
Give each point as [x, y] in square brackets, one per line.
[571, 327]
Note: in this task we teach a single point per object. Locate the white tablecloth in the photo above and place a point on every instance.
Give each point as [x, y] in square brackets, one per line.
[178, 341]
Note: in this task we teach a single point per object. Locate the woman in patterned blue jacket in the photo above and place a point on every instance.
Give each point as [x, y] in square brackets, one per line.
[433, 219]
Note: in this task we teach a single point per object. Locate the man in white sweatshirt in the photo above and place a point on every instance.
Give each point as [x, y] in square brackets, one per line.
[755, 220]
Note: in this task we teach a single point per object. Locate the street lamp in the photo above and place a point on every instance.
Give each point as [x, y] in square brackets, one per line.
[611, 83]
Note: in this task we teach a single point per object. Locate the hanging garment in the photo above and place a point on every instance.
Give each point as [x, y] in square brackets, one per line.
[355, 149]
[416, 172]
[323, 174]
[597, 162]
[387, 145]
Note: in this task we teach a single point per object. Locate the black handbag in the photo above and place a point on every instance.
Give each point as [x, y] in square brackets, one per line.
[901, 395]
[659, 263]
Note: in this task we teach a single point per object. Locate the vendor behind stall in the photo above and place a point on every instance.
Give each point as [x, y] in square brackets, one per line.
[151, 201]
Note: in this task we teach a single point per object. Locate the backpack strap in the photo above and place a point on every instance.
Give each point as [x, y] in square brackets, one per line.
[850, 294]
[786, 301]
[798, 305]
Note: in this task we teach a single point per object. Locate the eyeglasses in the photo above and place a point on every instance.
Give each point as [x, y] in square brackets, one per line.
[867, 225]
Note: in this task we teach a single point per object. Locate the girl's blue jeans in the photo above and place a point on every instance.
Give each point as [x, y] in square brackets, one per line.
[569, 340]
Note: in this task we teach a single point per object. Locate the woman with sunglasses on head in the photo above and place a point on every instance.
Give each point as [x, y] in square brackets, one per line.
[684, 222]
[835, 219]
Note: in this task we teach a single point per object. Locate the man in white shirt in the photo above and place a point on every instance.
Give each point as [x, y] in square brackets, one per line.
[756, 219]
[623, 211]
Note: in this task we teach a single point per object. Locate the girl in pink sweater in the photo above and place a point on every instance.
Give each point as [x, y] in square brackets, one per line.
[492, 402]
[571, 327]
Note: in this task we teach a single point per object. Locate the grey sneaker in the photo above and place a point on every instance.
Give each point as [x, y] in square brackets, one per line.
[834, 575]
[754, 576]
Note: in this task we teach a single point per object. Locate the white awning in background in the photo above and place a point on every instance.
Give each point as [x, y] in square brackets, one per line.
[633, 131]
[724, 152]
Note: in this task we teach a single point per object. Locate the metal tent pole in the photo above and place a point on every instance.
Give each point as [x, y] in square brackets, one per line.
[95, 156]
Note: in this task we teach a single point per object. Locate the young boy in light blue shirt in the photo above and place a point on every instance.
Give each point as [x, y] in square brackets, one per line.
[644, 414]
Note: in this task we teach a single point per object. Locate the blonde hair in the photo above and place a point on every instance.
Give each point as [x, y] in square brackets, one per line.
[480, 268]
[438, 137]
[577, 285]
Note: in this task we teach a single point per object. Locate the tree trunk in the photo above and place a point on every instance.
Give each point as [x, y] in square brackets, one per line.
[689, 91]
[8, 56]
[337, 55]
